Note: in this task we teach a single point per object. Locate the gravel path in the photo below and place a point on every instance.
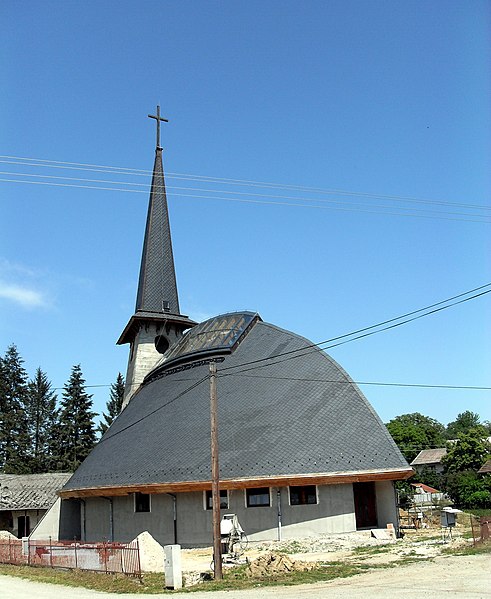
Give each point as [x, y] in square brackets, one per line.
[450, 577]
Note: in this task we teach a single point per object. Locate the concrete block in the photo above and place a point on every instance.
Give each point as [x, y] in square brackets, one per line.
[173, 569]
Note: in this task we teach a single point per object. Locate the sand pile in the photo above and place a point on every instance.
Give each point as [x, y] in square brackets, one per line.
[273, 563]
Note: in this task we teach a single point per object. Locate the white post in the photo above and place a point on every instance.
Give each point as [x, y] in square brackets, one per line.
[173, 570]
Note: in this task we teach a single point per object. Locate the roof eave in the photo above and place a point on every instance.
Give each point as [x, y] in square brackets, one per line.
[243, 483]
[128, 333]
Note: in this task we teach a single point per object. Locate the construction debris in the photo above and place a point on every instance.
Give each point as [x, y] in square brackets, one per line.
[273, 564]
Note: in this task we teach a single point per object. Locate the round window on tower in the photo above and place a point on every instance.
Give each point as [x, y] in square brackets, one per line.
[161, 344]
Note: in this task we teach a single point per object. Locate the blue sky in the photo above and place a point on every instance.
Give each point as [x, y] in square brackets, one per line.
[375, 98]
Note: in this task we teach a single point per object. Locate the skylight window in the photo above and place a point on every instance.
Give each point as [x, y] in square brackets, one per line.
[216, 335]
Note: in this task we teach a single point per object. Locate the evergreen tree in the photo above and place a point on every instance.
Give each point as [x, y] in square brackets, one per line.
[14, 436]
[42, 417]
[114, 404]
[76, 427]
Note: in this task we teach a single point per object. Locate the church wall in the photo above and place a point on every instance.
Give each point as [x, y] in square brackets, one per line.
[333, 514]
[386, 504]
[128, 524]
[95, 522]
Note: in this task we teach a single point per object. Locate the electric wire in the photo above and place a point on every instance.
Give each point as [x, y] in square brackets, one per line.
[152, 412]
[317, 346]
[350, 382]
[148, 187]
[364, 335]
[245, 201]
[240, 182]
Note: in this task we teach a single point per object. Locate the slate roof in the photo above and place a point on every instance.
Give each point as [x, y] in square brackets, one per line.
[429, 456]
[30, 491]
[301, 415]
[157, 281]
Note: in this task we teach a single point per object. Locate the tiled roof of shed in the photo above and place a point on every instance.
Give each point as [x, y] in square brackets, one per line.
[302, 414]
[429, 456]
[486, 467]
[30, 491]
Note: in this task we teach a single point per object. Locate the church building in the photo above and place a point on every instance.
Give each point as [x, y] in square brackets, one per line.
[301, 451]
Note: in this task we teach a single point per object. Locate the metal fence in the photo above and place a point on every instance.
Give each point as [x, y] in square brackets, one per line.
[481, 529]
[111, 558]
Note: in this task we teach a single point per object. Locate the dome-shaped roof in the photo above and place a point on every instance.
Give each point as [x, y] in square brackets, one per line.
[285, 410]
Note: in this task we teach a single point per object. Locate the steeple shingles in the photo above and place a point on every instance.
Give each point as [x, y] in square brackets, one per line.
[157, 288]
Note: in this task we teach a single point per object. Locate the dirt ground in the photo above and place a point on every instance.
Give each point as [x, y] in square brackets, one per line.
[455, 577]
[423, 543]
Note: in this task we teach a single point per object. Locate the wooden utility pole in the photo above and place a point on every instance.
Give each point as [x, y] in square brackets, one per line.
[215, 474]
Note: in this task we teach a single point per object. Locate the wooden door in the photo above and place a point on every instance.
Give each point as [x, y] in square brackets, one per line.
[365, 505]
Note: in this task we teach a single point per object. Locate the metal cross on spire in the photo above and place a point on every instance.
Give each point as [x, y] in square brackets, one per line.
[158, 118]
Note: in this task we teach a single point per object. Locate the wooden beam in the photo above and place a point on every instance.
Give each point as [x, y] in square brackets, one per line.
[334, 478]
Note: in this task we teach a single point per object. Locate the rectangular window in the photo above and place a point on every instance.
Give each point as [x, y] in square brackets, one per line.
[223, 500]
[142, 502]
[303, 495]
[258, 497]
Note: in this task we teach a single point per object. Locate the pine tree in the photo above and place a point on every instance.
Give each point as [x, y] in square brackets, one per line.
[114, 404]
[42, 419]
[76, 427]
[14, 436]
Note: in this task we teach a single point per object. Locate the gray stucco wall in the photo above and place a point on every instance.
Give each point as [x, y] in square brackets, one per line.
[386, 504]
[334, 513]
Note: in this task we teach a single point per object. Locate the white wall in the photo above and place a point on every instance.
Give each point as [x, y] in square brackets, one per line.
[334, 513]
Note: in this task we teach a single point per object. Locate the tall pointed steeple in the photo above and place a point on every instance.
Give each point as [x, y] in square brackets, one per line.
[157, 322]
[157, 288]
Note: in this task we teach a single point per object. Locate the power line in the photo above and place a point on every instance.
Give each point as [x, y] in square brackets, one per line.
[349, 382]
[312, 380]
[265, 202]
[428, 310]
[368, 334]
[316, 346]
[148, 186]
[240, 182]
[135, 422]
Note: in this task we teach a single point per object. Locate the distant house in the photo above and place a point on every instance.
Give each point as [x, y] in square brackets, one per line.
[25, 498]
[485, 468]
[430, 458]
[424, 494]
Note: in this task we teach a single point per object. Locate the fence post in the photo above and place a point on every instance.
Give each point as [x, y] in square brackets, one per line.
[50, 554]
[138, 559]
[75, 547]
[472, 528]
[104, 553]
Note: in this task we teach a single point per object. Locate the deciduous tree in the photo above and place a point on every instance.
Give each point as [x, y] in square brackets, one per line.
[414, 432]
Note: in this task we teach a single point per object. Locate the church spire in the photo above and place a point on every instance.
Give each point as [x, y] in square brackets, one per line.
[157, 322]
[157, 288]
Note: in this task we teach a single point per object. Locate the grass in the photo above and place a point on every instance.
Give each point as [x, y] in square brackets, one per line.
[481, 548]
[372, 549]
[110, 583]
[237, 578]
[234, 578]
